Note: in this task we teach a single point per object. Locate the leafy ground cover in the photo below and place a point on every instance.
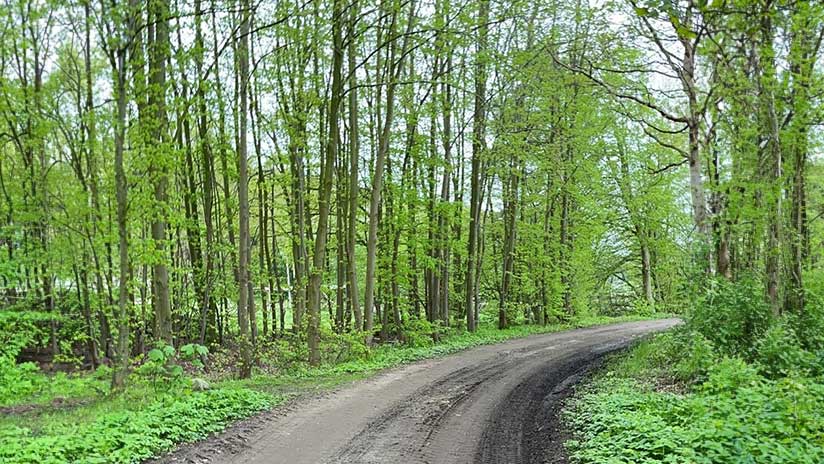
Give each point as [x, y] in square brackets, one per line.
[697, 395]
[75, 418]
[130, 432]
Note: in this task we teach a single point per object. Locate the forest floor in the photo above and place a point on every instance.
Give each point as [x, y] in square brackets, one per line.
[491, 404]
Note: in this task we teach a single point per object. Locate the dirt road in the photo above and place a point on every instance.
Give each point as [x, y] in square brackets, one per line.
[492, 404]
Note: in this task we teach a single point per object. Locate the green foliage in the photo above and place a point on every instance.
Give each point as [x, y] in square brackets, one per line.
[278, 355]
[133, 435]
[19, 329]
[343, 347]
[18, 381]
[735, 416]
[749, 390]
[163, 364]
[193, 352]
[160, 368]
[25, 384]
[809, 325]
[692, 356]
[417, 332]
[680, 354]
[741, 418]
[733, 316]
[780, 353]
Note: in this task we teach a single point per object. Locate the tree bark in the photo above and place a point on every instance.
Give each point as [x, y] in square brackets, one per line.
[245, 300]
[478, 146]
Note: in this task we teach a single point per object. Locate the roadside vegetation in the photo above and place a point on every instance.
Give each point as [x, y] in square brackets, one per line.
[733, 385]
[173, 397]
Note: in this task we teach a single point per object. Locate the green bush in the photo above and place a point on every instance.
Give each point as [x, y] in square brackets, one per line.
[25, 384]
[809, 325]
[750, 391]
[732, 315]
[730, 375]
[779, 353]
[19, 329]
[417, 332]
[163, 365]
[682, 354]
[692, 355]
[342, 347]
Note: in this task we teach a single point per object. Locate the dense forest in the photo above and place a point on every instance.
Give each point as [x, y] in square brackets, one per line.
[309, 180]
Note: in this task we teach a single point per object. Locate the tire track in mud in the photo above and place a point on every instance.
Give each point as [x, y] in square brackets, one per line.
[403, 432]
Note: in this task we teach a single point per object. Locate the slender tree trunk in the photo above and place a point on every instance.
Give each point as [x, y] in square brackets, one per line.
[478, 146]
[354, 156]
[325, 194]
[394, 67]
[245, 300]
[767, 86]
[159, 46]
[118, 59]
[208, 308]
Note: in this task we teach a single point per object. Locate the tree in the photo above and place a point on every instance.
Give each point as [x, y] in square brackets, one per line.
[478, 144]
[245, 299]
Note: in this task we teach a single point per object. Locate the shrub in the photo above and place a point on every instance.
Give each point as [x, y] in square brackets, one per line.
[693, 355]
[417, 332]
[730, 375]
[19, 329]
[732, 315]
[779, 352]
[810, 324]
[342, 347]
[163, 365]
[681, 353]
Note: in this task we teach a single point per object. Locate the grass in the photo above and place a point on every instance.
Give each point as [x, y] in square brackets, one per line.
[76, 418]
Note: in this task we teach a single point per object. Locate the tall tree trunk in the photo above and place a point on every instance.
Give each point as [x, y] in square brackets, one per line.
[325, 194]
[510, 213]
[245, 300]
[118, 61]
[478, 146]
[354, 156]
[394, 67]
[772, 172]
[208, 308]
[444, 218]
[159, 46]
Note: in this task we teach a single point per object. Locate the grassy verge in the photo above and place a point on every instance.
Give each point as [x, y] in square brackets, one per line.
[673, 400]
[79, 420]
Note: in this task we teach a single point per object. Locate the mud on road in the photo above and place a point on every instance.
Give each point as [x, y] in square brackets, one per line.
[492, 404]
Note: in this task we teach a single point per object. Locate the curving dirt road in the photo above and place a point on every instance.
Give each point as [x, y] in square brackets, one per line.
[492, 404]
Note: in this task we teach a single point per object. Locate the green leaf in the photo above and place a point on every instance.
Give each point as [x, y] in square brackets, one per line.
[685, 32]
[156, 355]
